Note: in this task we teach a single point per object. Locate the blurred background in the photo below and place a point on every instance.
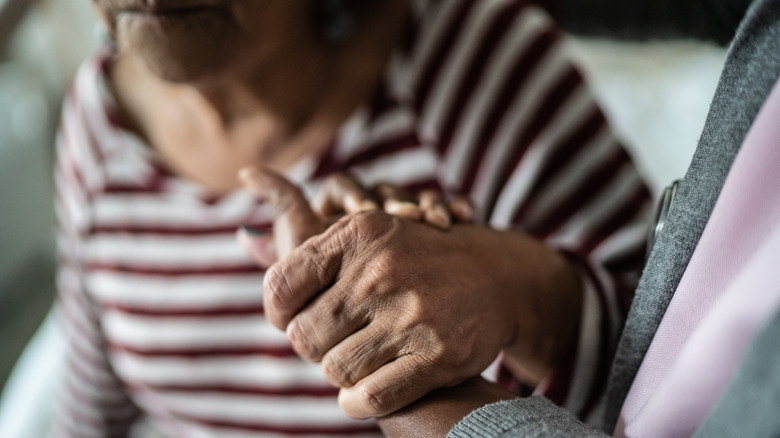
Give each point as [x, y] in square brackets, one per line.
[656, 95]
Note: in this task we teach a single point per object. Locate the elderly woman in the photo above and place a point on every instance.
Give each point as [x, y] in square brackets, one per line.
[163, 309]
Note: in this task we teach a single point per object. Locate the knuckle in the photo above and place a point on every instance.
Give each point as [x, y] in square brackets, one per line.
[336, 311]
[377, 400]
[376, 286]
[415, 310]
[385, 267]
[277, 294]
[363, 224]
[274, 287]
[337, 371]
[366, 226]
[303, 340]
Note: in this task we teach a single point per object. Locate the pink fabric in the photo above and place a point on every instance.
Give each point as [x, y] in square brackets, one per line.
[727, 293]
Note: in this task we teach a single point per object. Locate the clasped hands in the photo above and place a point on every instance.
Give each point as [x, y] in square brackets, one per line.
[395, 308]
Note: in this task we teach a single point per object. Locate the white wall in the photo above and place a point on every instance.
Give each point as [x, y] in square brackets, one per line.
[42, 58]
[656, 96]
[25, 217]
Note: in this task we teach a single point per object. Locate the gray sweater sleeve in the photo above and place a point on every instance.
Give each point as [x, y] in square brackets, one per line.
[714, 20]
[748, 407]
[526, 417]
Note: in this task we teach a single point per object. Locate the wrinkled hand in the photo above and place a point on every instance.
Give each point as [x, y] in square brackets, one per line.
[394, 308]
[340, 195]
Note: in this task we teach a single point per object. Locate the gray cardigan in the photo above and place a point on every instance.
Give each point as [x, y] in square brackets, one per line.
[750, 405]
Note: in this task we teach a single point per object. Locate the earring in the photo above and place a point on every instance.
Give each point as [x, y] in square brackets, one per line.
[337, 21]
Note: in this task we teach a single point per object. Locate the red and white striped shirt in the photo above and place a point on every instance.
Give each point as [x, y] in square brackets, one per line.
[163, 309]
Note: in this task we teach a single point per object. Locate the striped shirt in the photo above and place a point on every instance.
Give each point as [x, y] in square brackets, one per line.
[163, 309]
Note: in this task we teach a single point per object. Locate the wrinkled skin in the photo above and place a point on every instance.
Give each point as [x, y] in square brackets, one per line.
[394, 308]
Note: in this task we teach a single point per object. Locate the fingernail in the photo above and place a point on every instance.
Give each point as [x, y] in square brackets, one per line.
[254, 231]
[354, 204]
[368, 205]
[438, 217]
[404, 209]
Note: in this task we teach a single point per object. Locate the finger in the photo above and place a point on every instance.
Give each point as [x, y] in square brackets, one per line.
[313, 340]
[259, 245]
[294, 221]
[462, 209]
[327, 320]
[360, 354]
[294, 281]
[342, 194]
[433, 209]
[390, 388]
[397, 202]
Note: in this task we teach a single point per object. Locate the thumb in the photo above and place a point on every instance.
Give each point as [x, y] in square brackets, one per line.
[391, 387]
[294, 220]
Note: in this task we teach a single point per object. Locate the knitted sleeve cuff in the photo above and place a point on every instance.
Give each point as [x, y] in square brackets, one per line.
[527, 417]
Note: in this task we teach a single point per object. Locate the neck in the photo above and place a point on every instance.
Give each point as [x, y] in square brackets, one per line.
[256, 111]
[269, 112]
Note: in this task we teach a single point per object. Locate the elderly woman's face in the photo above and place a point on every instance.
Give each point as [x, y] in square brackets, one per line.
[192, 40]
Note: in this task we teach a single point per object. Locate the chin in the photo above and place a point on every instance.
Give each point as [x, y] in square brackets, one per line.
[181, 67]
[179, 49]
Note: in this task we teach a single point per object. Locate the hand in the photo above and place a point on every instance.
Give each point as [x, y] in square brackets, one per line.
[340, 195]
[440, 410]
[395, 308]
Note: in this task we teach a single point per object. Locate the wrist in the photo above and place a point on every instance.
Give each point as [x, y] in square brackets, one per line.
[438, 412]
[547, 320]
